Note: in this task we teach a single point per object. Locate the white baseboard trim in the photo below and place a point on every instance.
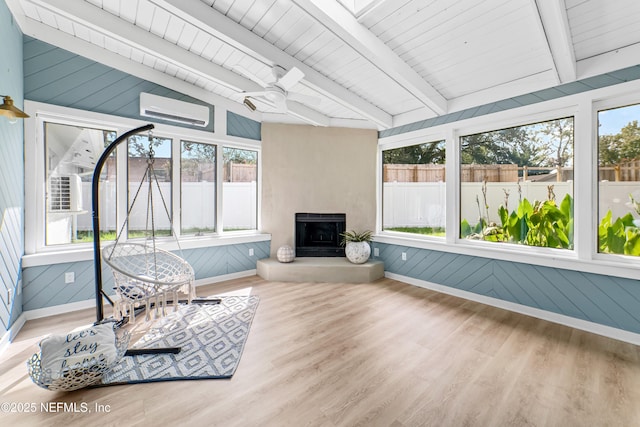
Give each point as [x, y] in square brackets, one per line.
[82, 305]
[60, 309]
[596, 328]
[225, 277]
[12, 332]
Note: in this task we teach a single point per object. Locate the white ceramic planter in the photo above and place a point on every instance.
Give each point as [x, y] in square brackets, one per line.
[357, 252]
[285, 254]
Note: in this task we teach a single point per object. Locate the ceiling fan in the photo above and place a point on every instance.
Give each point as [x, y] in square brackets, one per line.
[276, 93]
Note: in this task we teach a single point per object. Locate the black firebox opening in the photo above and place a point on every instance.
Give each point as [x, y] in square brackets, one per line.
[318, 235]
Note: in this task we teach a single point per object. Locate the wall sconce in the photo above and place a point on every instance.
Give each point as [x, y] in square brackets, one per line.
[10, 111]
[247, 103]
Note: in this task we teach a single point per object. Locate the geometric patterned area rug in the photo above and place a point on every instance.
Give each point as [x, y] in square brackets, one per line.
[211, 338]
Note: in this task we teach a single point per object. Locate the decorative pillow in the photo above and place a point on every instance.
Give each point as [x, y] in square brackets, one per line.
[78, 349]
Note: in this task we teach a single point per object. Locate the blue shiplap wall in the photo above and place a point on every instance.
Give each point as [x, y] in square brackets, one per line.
[56, 76]
[44, 285]
[11, 172]
[591, 83]
[243, 127]
[606, 300]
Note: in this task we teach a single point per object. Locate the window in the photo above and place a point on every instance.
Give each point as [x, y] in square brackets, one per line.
[618, 179]
[198, 188]
[517, 185]
[239, 190]
[62, 147]
[71, 155]
[413, 192]
[149, 177]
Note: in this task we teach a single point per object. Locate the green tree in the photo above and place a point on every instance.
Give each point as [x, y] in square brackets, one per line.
[481, 148]
[555, 138]
[506, 146]
[428, 153]
[238, 155]
[198, 158]
[198, 151]
[624, 145]
[608, 153]
[139, 145]
[519, 148]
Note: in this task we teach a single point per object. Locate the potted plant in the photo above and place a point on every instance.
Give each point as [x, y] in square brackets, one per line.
[356, 245]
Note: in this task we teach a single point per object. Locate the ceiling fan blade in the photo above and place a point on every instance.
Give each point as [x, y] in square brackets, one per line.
[263, 103]
[248, 74]
[290, 79]
[303, 99]
[281, 105]
[251, 94]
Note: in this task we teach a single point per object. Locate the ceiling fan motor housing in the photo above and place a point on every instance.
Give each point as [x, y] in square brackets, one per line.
[275, 94]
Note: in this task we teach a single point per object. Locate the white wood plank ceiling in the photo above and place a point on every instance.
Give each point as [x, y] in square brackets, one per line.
[388, 63]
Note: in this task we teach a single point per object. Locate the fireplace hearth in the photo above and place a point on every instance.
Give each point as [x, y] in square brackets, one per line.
[318, 235]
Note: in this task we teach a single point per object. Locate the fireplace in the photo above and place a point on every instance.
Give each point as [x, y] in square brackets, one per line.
[318, 235]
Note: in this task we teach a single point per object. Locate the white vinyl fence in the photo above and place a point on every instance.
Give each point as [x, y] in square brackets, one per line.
[422, 204]
[413, 204]
[405, 204]
[198, 201]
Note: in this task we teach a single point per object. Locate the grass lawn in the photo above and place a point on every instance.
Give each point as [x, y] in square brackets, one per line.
[87, 236]
[429, 231]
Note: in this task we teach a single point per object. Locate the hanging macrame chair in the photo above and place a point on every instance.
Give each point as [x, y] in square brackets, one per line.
[146, 276]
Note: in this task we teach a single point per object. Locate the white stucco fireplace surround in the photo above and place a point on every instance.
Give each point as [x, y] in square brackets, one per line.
[321, 170]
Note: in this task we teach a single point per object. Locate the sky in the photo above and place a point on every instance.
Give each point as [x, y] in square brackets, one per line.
[611, 121]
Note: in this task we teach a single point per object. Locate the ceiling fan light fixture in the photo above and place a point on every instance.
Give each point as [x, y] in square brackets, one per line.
[250, 105]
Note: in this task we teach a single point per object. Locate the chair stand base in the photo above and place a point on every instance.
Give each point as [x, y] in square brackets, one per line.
[158, 350]
[208, 301]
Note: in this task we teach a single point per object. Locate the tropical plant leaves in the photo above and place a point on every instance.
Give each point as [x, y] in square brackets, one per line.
[538, 224]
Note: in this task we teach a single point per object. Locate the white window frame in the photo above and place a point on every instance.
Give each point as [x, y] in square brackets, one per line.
[36, 250]
[217, 202]
[220, 177]
[380, 183]
[584, 257]
[535, 119]
[605, 104]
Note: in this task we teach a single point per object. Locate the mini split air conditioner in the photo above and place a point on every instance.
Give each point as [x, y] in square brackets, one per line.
[65, 193]
[173, 110]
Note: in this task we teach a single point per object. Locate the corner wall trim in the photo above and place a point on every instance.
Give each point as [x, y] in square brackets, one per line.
[596, 328]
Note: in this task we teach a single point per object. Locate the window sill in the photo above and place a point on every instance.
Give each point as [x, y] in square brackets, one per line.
[610, 265]
[85, 253]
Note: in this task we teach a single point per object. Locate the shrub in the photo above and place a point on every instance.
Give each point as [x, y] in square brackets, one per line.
[539, 224]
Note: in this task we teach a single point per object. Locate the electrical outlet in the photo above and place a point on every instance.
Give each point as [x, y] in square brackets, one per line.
[376, 251]
[69, 277]
[404, 256]
[250, 251]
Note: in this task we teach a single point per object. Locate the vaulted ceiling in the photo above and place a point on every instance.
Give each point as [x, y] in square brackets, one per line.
[384, 64]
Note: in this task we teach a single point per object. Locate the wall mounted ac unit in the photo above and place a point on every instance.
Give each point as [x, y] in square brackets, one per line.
[65, 193]
[173, 110]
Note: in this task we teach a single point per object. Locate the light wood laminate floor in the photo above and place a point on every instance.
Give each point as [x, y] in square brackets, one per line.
[379, 354]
